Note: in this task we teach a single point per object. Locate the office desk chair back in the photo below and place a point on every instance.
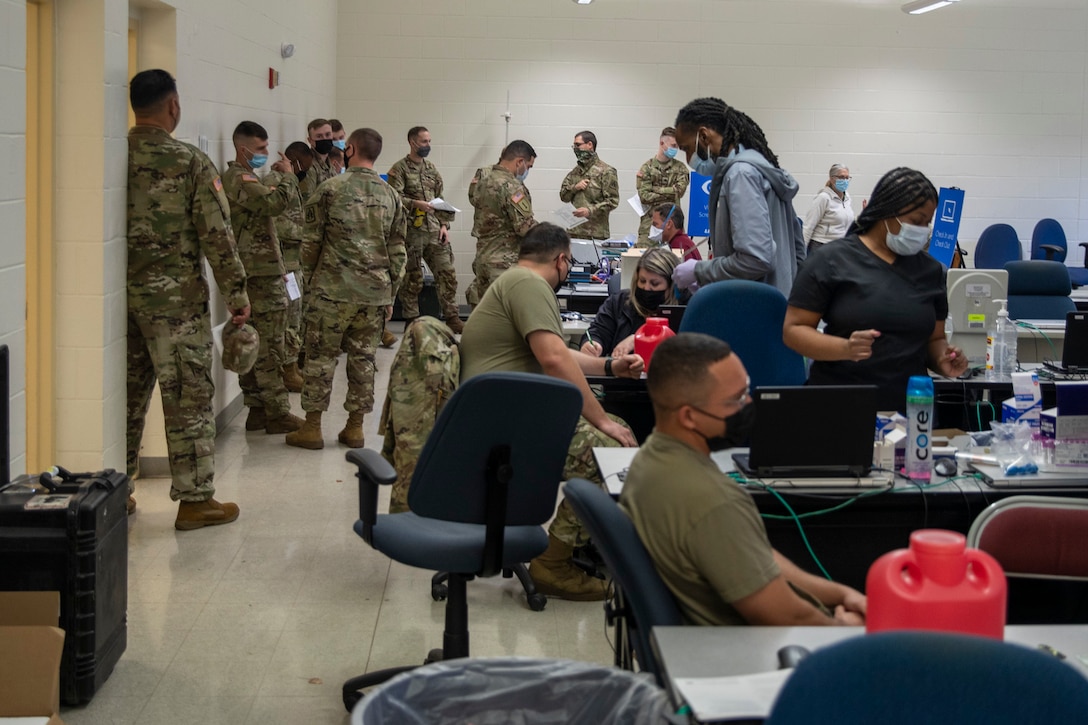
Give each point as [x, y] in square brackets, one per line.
[749, 316]
[1039, 290]
[642, 600]
[997, 245]
[486, 482]
[1043, 537]
[904, 678]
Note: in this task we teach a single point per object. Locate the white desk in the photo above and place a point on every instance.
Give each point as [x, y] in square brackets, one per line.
[1034, 346]
[692, 652]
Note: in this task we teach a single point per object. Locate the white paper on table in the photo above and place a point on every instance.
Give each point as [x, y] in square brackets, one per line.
[567, 218]
[636, 204]
[441, 205]
[732, 698]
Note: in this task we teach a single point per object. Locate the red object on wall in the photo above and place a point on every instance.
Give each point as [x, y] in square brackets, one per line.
[273, 78]
[937, 584]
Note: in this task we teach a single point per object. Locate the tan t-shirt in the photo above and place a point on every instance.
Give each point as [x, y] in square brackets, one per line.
[496, 334]
[702, 530]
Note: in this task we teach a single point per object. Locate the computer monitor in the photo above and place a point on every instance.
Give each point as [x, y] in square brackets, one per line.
[972, 311]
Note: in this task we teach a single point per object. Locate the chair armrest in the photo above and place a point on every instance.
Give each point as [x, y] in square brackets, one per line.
[373, 471]
[1052, 250]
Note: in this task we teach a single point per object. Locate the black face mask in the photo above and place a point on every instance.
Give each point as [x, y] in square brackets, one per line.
[323, 146]
[423, 152]
[300, 175]
[651, 299]
[720, 442]
[563, 281]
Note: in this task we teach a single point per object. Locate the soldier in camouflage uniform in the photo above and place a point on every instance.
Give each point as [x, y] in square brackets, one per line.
[592, 187]
[663, 179]
[418, 182]
[289, 232]
[516, 328]
[319, 135]
[353, 260]
[177, 216]
[504, 214]
[255, 203]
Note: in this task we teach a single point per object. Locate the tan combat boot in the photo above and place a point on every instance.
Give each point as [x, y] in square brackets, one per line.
[388, 339]
[309, 435]
[256, 420]
[455, 324]
[555, 574]
[198, 514]
[352, 435]
[292, 378]
[285, 423]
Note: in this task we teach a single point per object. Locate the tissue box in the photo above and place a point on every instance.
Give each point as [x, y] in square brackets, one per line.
[1013, 410]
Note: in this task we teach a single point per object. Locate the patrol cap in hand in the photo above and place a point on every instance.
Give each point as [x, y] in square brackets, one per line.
[240, 347]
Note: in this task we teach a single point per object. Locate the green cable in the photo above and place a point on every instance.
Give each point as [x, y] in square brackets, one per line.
[1033, 328]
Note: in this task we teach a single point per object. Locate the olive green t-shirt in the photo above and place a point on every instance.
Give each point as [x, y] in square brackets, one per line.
[701, 529]
[496, 334]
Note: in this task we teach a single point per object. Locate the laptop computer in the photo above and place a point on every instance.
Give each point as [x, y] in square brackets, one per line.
[811, 431]
[672, 313]
[1075, 346]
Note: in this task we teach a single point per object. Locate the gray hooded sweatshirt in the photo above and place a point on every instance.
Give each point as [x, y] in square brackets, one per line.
[755, 233]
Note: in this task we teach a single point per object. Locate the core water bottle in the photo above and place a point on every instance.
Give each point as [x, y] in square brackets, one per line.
[919, 463]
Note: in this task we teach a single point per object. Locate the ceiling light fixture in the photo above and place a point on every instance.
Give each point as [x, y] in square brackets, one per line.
[917, 7]
[582, 2]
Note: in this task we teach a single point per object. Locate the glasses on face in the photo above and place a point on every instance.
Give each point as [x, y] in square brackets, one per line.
[744, 398]
[843, 178]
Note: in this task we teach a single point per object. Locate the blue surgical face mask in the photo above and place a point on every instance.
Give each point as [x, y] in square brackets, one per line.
[841, 185]
[340, 143]
[910, 240]
[523, 175]
[670, 153]
[700, 165]
[256, 161]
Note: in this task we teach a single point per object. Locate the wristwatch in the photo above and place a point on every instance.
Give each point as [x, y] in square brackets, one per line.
[608, 367]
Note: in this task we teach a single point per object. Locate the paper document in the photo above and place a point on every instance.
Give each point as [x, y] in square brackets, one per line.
[567, 220]
[636, 204]
[289, 281]
[740, 697]
[441, 205]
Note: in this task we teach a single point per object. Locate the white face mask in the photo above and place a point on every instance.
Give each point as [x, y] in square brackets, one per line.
[910, 240]
[655, 233]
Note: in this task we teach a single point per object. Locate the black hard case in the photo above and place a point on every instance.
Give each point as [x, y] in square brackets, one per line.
[82, 552]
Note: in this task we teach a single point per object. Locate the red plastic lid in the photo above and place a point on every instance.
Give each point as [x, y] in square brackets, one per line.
[938, 541]
[657, 320]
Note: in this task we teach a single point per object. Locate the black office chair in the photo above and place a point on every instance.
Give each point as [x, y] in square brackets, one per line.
[641, 600]
[902, 678]
[485, 484]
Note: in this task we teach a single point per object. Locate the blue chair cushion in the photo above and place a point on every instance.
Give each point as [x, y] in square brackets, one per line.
[447, 545]
[1078, 276]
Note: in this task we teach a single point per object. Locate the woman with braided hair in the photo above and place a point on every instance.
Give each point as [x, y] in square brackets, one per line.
[882, 296]
[754, 231]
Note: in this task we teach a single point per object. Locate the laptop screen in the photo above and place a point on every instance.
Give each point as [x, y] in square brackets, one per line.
[814, 430]
[672, 313]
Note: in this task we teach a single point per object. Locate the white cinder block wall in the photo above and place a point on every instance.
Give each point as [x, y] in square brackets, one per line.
[987, 95]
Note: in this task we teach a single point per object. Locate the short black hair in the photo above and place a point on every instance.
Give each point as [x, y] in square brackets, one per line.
[249, 129]
[149, 88]
[679, 373]
[299, 148]
[336, 153]
[588, 137]
[367, 143]
[336, 125]
[544, 242]
[677, 214]
[517, 150]
[415, 131]
[900, 191]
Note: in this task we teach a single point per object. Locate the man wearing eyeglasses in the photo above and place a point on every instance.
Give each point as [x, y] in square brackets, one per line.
[592, 187]
[701, 529]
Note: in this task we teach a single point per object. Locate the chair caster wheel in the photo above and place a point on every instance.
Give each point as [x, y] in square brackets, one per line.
[439, 592]
[435, 655]
[351, 699]
[537, 602]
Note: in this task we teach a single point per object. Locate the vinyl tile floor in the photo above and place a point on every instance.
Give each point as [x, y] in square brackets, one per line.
[261, 620]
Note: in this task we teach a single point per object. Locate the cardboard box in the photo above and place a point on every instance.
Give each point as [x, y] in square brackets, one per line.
[31, 646]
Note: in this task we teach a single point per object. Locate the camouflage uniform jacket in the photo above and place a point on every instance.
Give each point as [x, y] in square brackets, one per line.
[419, 182]
[504, 211]
[177, 212]
[353, 242]
[289, 230]
[659, 182]
[600, 197]
[254, 205]
[319, 171]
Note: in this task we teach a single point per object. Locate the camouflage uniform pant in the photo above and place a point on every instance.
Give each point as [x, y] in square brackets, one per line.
[292, 336]
[439, 258]
[489, 268]
[644, 225]
[263, 385]
[330, 327]
[175, 349]
[580, 464]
